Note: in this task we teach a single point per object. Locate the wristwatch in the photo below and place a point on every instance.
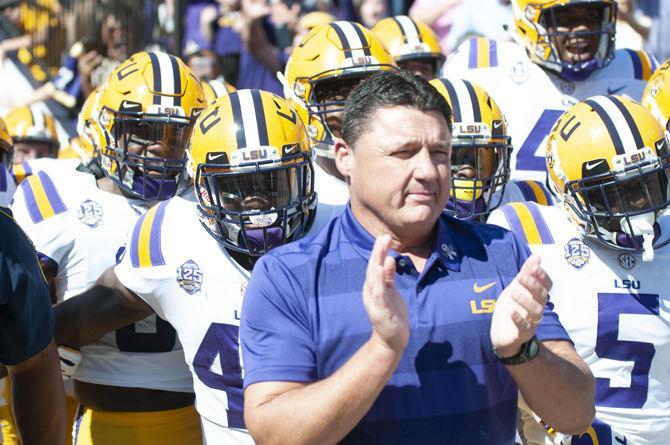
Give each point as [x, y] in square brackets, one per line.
[529, 351]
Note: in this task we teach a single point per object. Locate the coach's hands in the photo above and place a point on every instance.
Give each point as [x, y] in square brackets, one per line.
[385, 307]
[519, 308]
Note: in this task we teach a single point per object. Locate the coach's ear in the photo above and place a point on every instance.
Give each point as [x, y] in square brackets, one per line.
[344, 158]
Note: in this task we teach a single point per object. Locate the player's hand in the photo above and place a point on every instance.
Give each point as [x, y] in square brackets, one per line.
[386, 309]
[519, 308]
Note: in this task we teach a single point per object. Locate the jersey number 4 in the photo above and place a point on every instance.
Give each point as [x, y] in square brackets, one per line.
[620, 316]
[217, 365]
[526, 159]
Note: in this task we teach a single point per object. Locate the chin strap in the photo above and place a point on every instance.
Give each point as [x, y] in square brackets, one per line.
[641, 225]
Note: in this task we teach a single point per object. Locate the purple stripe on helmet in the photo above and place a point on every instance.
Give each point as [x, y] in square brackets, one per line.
[54, 198]
[493, 53]
[472, 61]
[540, 223]
[514, 223]
[155, 252]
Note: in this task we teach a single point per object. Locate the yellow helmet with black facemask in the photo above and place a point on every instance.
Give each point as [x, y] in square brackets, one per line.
[607, 158]
[250, 157]
[323, 68]
[31, 125]
[481, 149]
[537, 26]
[147, 109]
[409, 40]
[656, 96]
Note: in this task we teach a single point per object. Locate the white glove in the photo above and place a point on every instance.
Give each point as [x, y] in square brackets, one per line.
[69, 360]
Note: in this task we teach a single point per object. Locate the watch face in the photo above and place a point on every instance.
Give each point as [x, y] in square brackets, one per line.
[533, 348]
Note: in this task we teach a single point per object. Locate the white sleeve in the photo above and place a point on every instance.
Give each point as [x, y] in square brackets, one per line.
[146, 278]
[497, 217]
[40, 211]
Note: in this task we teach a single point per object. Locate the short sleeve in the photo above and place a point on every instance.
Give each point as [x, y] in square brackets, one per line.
[275, 334]
[550, 328]
[26, 317]
[145, 279]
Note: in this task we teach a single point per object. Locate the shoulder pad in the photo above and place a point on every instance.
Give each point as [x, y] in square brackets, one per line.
[644, 64]
[526, 221]
[482, 52]
[42, 198]
[21, 171]
[145, 244]
[534, 191]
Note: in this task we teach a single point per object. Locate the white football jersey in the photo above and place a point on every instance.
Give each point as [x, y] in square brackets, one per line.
[332, 194]
[187, 277]
[81, 229]
[616, 309]
[526, 190]
[532, 99]
[7, 187]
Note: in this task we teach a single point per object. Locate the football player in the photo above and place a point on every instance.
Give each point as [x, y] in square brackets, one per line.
[323, 68]
[480, 155]
[606, 248]
[656, 96]
[36, 142]
[133, 384]
[413, 45]
[565, 54]
[189, 262]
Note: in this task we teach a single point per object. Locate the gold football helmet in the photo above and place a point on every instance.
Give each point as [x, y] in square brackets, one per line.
[481, 149]
[216, 88]
[33, 132]
[535, 18]
[250, 157]
[147, 109]
[607, 158]
[409, 40]
[6, 146]
[322, 70]
[656, 96]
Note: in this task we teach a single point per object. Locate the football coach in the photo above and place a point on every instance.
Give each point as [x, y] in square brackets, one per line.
[398, 324]
[26, 340]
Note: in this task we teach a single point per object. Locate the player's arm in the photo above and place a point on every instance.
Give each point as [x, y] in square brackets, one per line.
[557, 384]
[107, 306]
[37, 382]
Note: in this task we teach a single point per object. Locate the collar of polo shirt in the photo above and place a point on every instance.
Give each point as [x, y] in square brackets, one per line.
[445, 248]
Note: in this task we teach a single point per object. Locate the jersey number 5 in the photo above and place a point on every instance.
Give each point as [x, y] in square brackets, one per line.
[618, 315]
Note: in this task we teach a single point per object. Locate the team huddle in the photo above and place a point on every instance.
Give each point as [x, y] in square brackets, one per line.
[148, 236]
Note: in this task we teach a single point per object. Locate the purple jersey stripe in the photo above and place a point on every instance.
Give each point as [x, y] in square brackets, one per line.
[155, 252]
[472, 61]
[54, 198]
[526, 191]
[637, 63]
[493, 53]
[514, 223]
[3, 179]
[540, 223]
[135, 242]
[31, 202]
